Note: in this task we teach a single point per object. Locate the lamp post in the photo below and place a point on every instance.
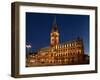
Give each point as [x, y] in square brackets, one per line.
[28, 47]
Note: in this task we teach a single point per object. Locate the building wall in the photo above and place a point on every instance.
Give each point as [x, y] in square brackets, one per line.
[70, 52]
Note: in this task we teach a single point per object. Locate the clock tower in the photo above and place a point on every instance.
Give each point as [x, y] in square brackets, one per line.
[54, 35]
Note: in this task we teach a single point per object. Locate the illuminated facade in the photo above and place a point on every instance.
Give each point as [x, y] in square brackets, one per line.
[66, 53]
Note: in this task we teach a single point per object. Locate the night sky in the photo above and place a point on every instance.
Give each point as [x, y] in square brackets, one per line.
[38, 28]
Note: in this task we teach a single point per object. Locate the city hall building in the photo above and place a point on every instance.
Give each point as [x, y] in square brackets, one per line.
[65, 53]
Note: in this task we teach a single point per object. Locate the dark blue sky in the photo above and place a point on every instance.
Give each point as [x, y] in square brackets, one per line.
[38, 28]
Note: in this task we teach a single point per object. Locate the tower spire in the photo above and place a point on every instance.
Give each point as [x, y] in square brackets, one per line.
[54, 26]
[54, 35]
[54, 20]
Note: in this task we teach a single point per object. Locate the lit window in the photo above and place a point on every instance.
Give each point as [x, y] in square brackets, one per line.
[70, 44]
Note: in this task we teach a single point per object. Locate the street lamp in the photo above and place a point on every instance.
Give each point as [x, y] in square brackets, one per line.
[28, 47]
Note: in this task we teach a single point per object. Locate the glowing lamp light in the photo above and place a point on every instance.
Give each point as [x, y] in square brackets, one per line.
[28, 46]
